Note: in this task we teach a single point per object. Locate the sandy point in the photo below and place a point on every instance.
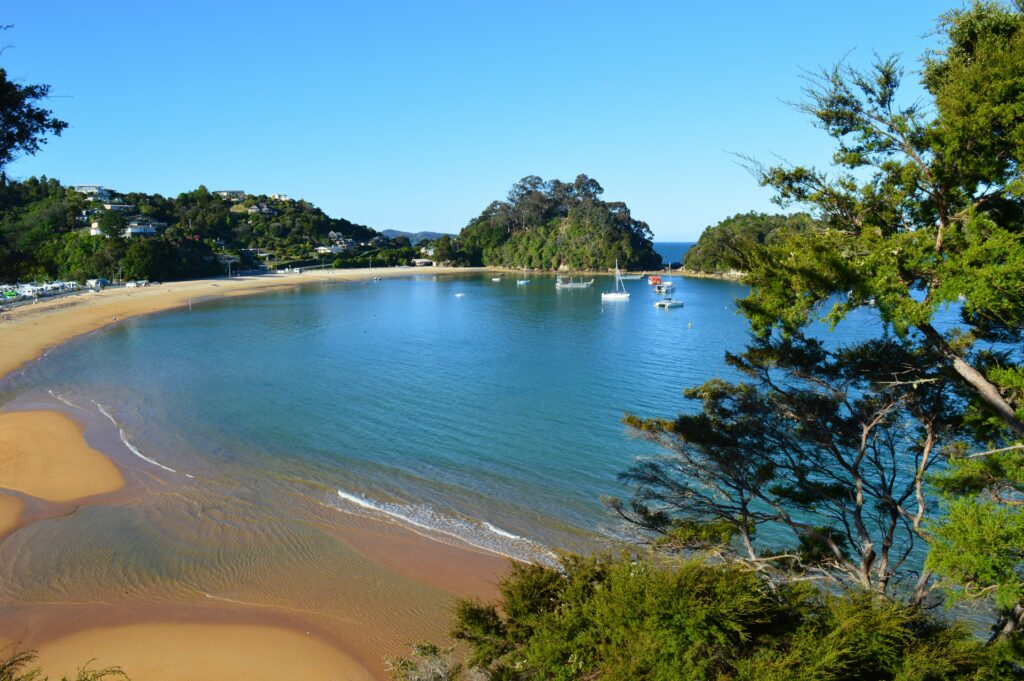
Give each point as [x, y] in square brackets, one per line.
[44, 454]
[201, 652]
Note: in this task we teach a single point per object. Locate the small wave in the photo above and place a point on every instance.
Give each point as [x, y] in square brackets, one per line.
[501, 532]
[481, 535]
[127, 443]
[65, 400]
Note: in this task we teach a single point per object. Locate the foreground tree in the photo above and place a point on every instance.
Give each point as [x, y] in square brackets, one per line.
[825, 453]
[24, 124]
[923, 212]
[939, 220]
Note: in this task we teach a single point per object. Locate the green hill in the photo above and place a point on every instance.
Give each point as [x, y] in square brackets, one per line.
[720, 247]
[553, 225]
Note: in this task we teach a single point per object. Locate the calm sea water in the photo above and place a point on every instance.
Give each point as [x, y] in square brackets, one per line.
[459, 405]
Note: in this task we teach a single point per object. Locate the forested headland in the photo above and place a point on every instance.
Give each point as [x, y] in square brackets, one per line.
[553, 225]
[721, 247]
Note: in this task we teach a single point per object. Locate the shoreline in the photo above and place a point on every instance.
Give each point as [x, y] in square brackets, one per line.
[29, 331]
[329, 646]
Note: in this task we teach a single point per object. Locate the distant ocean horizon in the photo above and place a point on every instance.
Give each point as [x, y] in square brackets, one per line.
[672, 251]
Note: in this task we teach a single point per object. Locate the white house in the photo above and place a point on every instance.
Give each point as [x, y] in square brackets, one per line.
[231, 194]
[94, 191]
[422, 262]
[119, 207]
[329, 250]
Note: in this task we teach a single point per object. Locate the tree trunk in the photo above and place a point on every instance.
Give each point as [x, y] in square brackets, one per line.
[1009, 622]
[981, 385]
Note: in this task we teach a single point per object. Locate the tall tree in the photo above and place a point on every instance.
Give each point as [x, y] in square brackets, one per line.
[925, 207]
[24, 124]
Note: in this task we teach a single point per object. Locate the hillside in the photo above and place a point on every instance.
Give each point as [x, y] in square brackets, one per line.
[553, 225]
[45, 232]
[720, 247]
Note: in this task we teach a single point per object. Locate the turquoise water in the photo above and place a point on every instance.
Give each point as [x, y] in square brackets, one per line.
[461, 406]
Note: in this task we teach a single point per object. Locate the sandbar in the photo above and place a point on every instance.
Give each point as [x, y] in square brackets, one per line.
[43, 454]
[201, 652]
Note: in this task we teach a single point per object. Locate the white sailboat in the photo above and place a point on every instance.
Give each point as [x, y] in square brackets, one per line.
[524, 280]
[620, 290]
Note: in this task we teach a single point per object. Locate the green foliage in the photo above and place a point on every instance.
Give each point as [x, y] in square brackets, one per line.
[822, 446]
[723, 247]
[43, 234]
[23, 124]
[979, 548]
[550, 225]
[640, 618]
[17, 666]
[924, 208]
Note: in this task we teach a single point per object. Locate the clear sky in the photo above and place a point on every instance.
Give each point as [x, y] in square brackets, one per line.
[415, 115]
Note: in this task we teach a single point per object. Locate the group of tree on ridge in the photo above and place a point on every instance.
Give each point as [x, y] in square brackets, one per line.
[553, 225]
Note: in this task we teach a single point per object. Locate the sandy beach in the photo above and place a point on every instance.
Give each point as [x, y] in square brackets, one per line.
[45, 458]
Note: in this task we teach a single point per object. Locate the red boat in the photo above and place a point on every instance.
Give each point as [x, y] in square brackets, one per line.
[654, 279]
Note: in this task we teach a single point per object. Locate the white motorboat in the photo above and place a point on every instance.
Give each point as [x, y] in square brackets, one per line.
[668, 302]
[559, 283]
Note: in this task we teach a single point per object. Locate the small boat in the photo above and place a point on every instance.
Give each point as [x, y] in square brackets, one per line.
[654, 279]
[459, 295]
[632, 277]
[668, 302]
[495, 278]
[620, 292]
[573, 284]
[524, 280]
[664, 287]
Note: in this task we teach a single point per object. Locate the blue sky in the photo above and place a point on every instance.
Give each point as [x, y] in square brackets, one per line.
[416, 115]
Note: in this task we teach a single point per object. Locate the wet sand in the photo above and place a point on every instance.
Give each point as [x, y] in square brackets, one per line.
[177, 640]
[10, 512]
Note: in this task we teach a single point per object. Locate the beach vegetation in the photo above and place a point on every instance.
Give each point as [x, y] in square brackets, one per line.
[20, 666]
[644, 617]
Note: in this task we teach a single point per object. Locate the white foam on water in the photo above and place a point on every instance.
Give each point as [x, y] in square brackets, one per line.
[127, 443]
[479, 534]
[65, 400]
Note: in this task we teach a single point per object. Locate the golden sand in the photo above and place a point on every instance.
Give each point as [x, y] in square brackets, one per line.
[43, 454]
[201, 652]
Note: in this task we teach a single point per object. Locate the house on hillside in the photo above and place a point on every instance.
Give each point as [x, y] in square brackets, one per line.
[119, 207]
[137, 226]
[231, 194]
[329, 250]
[93, 192]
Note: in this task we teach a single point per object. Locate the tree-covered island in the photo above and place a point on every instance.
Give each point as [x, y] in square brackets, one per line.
[554, 225]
